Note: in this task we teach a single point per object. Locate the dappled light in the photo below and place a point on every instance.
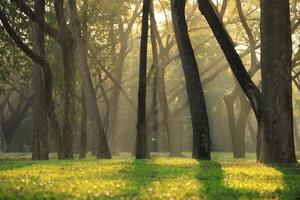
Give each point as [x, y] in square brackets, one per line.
[159, 178]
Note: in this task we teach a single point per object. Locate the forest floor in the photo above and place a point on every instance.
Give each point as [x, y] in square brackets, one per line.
[158, 178]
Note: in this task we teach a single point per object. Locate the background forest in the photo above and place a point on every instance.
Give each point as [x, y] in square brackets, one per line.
[111, 30]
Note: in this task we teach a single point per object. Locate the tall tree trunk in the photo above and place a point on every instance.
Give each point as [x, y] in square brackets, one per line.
[83, 122]
[40, 127]
[68, 131]
[201, 138]
[66, 136]
[276, 55]
[141, 140]
[89, 93]
[154, 106]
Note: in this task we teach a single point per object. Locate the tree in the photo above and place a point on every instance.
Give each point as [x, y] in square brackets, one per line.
[276, 56]
[47, 76]
[141, 141]
[160, 62]
[248, 86]
[89, 93]
[40, 107]
[201, 139]
[237, 124]
[64, 138]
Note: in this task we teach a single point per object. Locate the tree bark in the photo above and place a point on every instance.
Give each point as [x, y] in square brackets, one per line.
[89, 93]
[83, 127]
[154, 106]
[201, 139]
[141, 141]
[40, 126]
[66, 137]
[276, 55]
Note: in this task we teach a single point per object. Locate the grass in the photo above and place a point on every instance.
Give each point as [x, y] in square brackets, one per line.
[159, 178]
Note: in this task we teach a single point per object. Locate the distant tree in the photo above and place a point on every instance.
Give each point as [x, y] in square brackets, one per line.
[12, 115]
[89, 93]
[201, 138]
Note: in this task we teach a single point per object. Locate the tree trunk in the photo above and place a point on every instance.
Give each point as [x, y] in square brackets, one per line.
[68, 131]
[141, 140]
[83, 126]
[83, 122]
[89, 93]
[201, 139]
[154, 106]
[40, 108]
[276, 55]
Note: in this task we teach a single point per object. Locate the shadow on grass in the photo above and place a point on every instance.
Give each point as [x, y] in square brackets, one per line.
[291, 179]
[15, 164]
[211, 176]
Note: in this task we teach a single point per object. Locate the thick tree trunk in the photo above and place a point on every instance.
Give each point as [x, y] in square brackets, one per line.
[276, 55]
[89, 93]
[66, 136]
[141, 140]
[201, 139]
[40, 108]
[68, 131]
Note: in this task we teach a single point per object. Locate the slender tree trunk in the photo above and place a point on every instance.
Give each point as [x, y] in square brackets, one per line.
[83, 126]
[83, 122]
[276, 55]
[201, 138]
[244, 79]
[141, 141]
[40, 127]
[154, 106]
[8, 140]
[89, 93]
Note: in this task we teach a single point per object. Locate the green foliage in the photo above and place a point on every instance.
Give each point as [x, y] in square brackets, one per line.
[160, 178]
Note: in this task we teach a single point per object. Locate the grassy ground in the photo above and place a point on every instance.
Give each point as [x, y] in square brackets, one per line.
[159, 178]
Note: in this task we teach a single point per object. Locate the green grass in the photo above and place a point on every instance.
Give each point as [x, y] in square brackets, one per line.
[159, 178]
